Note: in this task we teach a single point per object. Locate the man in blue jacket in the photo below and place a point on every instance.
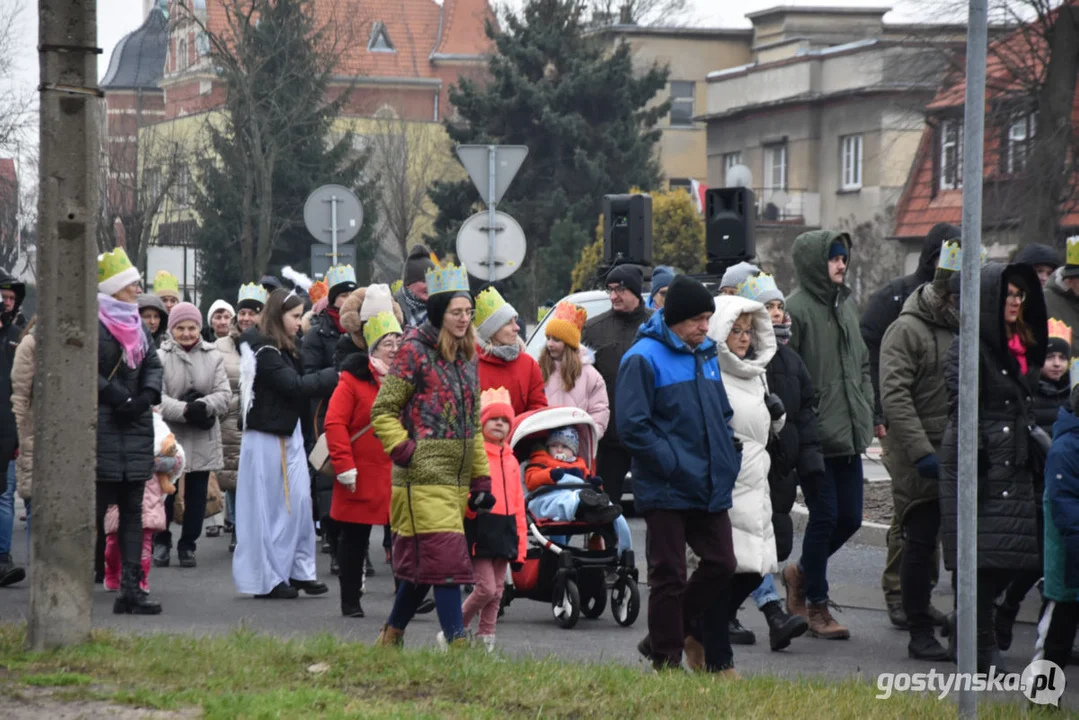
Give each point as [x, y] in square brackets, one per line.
[672, 414]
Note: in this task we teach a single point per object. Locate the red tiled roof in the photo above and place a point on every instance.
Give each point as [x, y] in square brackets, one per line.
[462, 31]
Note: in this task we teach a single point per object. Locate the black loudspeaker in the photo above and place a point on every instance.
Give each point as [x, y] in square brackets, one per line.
[730, 217]
[627, 229]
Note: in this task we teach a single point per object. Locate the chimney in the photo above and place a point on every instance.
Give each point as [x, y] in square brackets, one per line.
[625, 15]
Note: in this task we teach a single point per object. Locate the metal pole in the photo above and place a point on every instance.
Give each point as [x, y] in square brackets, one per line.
[967, 552]
[492, 151]
[333, 228]
[65, 395]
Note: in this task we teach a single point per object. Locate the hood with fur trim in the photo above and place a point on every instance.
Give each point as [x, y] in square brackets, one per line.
[350, 316]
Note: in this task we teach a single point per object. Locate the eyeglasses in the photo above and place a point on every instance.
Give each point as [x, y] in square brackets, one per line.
[459, 314]
[616, 289]
[1019, 297]
[739, 332]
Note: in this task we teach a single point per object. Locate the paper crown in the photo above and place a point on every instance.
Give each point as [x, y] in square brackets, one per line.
[951, 256]
[396, 286]
[446, 280]
[1060, 329]
[318, 290]
[340, 274]
[115, 272]
[495, 396]
[757, 286]
[487, 303]
[541, 312]
[166, 282]
[1071, 256]
[379, 326]
[570, 313]
[253, 293]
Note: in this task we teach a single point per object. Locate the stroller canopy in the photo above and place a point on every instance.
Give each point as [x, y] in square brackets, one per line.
[540, 422]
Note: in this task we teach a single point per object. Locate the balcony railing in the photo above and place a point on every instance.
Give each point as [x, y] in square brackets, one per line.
[789, 206]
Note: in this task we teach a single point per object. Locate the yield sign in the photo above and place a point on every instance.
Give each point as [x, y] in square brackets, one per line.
[477, 161]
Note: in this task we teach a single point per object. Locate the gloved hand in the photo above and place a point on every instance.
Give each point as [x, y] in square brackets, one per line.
[480, 501]
[197, 414]
[597, 481]
[348, 479]
[402, 454]
[191, 396]
[928, 466]
[557, 474]
[132, 410]
[516, 566]
[114, 395]
[774, 405]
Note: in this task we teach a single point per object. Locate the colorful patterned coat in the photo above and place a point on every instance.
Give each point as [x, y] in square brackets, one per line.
[435, 404]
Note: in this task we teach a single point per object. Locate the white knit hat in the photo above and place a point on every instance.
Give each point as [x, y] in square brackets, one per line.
[219, 305]
[377, 299]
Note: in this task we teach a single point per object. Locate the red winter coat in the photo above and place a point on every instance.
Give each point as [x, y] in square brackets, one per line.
[521, 377]
[501, 533]
[348, 413]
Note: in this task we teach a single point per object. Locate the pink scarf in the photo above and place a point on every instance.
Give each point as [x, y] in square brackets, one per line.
[123, 322]
[378, 367]
[1019, 352]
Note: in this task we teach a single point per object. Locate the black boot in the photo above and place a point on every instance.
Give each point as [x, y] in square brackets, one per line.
[10, 573]
[897, 615]
[352, 609]
[1004, 622]
[782, 628]
[739, 634]
[370, 569]
[232, 543]
[923, 645]
[989, 653]
[133, 599]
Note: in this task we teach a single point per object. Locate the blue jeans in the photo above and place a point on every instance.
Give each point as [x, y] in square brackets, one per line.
[835, 514]
[766, 593]
[447, 605]
[7, 511]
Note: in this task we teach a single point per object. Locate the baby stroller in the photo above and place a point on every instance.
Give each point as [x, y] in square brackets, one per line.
[572, 579]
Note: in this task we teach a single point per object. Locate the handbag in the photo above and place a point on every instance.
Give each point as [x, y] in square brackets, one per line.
[319, 457]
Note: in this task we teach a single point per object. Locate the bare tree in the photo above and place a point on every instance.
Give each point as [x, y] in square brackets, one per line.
[16, 106]
[407, 157]
[639, 12]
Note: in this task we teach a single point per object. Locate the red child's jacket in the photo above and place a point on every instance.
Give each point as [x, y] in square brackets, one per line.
[541, 463]
[502, 532]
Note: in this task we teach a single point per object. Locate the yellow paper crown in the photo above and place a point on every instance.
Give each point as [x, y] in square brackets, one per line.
[397, 285]
[379, 326]
[495, 396]
[446, 279]
[112, 264]
[1060, 329]
[339, 274]
[570, 313]
[1072, 251]
[754, 287]
[253, 292]
[951, 256]
[165, 281]
[487, 302]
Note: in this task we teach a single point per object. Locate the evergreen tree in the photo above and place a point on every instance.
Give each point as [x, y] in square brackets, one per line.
[585, 116]
[272, 146]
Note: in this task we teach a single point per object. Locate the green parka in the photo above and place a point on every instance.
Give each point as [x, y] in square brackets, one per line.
[913, 394]
[825, 333]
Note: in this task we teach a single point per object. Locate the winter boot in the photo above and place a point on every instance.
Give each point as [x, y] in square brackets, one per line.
[823, 625]
[693, 651]
[923, 645]
[232, 542]
[898, 616]
[352, 609]
[162, 552]
[989, 653]
[390, 637]
[939, 619]
[782, 628]
[368, 567]
[10, 573]
[794, 582]
[739, 634]
[1004, 622]
[132, 599]
[187, 558]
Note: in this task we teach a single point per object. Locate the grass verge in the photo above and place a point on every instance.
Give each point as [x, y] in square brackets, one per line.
[246, 675]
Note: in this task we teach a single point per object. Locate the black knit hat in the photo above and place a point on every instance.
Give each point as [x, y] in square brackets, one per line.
[1058, 345]
[417, 264]
[437, 304]
[630, 276]
[686, 298]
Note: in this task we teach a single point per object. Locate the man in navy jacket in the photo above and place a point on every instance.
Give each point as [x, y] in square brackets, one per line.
[672, 414]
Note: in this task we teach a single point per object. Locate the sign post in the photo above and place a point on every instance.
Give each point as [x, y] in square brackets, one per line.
[492, 169]
[343, 205]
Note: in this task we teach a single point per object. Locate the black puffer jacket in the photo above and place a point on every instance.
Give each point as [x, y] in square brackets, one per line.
[317, 353]
[799, 453]
[610, 335]
[125, 452]
[1007, 519]
[282, 391]
[885, 304]
[1049, 397]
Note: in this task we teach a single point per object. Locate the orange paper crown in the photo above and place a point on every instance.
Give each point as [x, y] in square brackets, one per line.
[494, 403]
[1060, 329]
[318, 291]
[566, 323]
[573, 313]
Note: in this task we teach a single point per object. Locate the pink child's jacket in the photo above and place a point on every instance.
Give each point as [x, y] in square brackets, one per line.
[589, 394]
[153, 498]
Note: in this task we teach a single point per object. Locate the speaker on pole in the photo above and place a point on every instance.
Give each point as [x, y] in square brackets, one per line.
[730, 216]
[627, 229]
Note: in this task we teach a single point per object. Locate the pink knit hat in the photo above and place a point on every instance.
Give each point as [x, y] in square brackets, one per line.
[181, 312]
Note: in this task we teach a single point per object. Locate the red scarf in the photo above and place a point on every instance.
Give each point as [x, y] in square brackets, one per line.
[1019, 352]
[335, 315]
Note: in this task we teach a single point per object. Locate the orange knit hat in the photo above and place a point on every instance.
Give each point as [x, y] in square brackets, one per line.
[566, 323]
[495, 403]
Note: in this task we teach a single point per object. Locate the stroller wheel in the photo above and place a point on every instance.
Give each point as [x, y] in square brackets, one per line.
[566, 605]
[594, 600]
[625, 601]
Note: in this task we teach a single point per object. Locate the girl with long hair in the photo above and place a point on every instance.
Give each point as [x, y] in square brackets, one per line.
[568, 367]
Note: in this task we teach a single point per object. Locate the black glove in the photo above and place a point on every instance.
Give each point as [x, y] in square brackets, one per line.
[132, 410]
[774, 405]
[597, 482]
[737, 442]
[114, 395]
[480, 501]
[516, 566]
[191, 396]
[197, 414]
[557, 474]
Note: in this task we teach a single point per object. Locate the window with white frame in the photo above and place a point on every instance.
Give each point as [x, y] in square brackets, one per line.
[682, 97]
[850, 147]
[951, 155]
[775, 166]
[731, 159]
[1020, 137]
[183, 187]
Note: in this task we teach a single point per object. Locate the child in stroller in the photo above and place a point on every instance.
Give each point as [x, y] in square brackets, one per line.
[579, 496]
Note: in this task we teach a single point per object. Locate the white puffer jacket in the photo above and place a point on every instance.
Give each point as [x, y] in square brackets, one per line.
[746, 386]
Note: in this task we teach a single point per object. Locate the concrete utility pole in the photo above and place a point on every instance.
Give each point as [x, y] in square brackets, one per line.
[970, 299]
[65, 387]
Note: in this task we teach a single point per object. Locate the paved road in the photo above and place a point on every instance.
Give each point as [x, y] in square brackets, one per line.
[203, 601]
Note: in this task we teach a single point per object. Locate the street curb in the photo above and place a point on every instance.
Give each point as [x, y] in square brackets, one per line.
[871, 533]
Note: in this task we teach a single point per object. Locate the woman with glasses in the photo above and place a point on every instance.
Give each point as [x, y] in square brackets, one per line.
[427, 415]
[1012, 347]
[361, 495]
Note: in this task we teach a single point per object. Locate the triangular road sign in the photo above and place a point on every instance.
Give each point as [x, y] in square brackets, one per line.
[477, 161]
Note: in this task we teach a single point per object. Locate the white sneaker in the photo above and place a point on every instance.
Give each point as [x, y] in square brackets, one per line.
[440, 639]
[488, 642]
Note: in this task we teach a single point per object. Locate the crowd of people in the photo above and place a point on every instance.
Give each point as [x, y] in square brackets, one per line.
[332, 409]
